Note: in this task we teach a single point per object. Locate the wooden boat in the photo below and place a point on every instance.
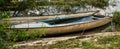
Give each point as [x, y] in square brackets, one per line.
[19, 20]
[64, 25]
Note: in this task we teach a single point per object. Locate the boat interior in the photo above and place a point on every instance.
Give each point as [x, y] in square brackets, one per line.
[71, 20]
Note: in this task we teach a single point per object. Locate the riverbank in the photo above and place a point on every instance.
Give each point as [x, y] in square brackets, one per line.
[45, 43]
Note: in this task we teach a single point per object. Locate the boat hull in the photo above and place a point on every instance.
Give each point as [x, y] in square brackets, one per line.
[69, 28]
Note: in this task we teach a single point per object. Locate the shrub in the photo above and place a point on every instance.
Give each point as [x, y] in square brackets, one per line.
[23, 35]
[4, 44]
[116, 17]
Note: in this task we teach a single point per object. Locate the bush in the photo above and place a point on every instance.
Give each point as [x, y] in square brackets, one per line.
[116, 17]
[23, 35]
[15, 35]
[4, 44]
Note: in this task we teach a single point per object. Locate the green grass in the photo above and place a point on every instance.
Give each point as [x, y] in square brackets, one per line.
[4, 43]
[109, 42]
[24, 35]
[76, 43]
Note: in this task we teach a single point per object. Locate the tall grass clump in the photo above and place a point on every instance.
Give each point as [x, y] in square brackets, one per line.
[116, 19]
[24, 35]
[4, 43]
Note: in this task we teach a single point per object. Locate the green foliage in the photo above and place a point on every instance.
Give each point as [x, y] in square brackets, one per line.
[32, 3]
[67, 8]
[98, 3]
[4, 44]
[7, 36]
[116, 20]
[75, 43]
[89, 45]
[112, 42]
[109, 39]
[15, 35]
[4, 14]
[107, 42]
[67, 5]
[21, 6]
[116, 17]
[3, 25]
[26, 4]
[4, 2]
[17, 5]
[2, 31]
[83, 3]
[24, 35]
